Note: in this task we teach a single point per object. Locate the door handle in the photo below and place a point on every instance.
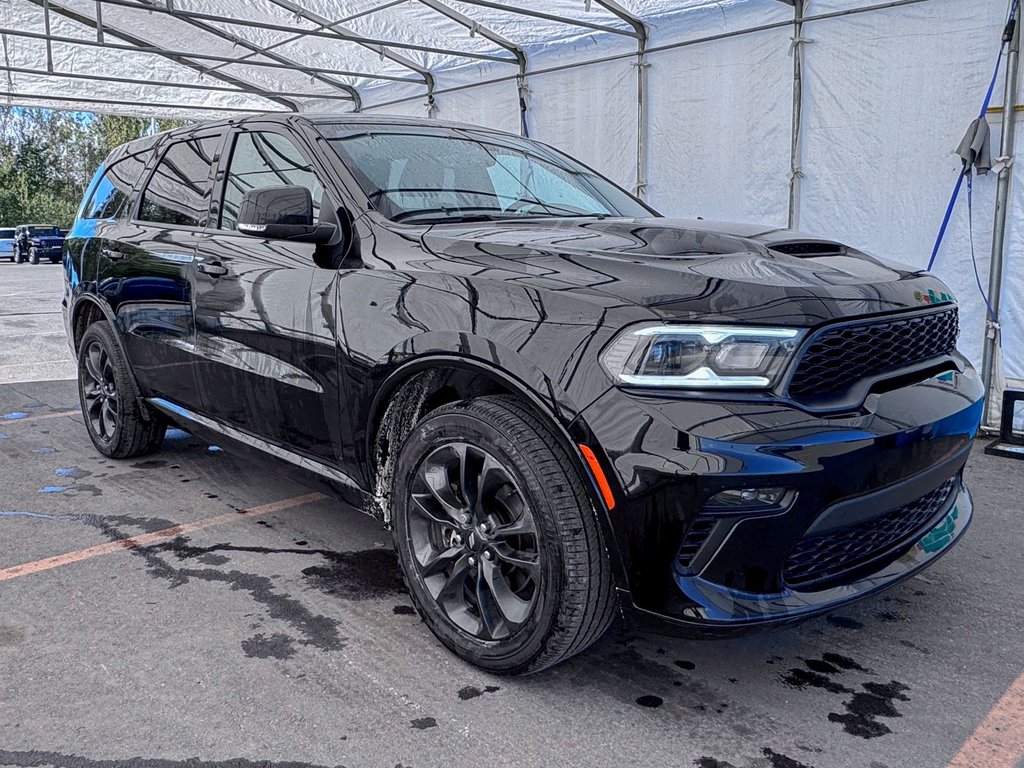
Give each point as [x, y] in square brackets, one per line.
[113, 254]
[212, 268]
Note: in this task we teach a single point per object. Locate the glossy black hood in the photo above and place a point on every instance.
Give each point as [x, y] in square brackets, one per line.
[690, 270]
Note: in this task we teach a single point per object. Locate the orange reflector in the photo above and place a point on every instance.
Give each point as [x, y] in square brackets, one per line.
[598, 473]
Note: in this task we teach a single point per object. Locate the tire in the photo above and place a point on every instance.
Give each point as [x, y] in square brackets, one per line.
[107, 393]
[33, 257]
[560, 598]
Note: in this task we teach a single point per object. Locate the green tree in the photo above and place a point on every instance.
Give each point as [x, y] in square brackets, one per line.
[48, 157]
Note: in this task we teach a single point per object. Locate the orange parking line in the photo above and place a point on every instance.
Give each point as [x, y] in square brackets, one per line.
[11, 422]
[148, 538]
[999, 741]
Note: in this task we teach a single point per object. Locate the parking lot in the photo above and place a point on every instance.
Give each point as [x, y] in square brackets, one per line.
[252, 620]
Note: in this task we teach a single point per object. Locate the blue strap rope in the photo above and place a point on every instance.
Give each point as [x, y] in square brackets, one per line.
[966, 170]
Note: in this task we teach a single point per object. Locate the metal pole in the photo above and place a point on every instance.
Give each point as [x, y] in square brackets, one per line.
[995, 273]
[796, 173]
[642, 118]
[49, 42]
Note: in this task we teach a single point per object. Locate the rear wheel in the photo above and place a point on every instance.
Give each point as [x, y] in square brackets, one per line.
[114, 414]
[33, 257]
[497, 538]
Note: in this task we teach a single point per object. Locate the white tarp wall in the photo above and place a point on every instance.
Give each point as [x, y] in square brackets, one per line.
[888, 95]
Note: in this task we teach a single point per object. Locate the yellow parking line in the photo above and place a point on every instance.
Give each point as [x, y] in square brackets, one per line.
[149, 538]
[999, 741]
[41, 417]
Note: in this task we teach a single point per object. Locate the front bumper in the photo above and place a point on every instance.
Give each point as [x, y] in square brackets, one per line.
[48, 252]
[878, 491]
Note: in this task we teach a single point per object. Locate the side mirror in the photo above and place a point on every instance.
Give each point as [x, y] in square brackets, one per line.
[281, 213]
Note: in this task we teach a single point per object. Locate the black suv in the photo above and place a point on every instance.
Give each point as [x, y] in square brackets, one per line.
[34, 242]
[564, 405]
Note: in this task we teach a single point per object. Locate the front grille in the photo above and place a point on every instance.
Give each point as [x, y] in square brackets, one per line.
[822, 560]
[837, 358]
[694, 539]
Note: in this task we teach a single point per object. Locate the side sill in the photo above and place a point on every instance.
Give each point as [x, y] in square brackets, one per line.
[176, 411]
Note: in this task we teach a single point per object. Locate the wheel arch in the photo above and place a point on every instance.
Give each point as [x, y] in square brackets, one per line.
[89, 309]
[425, 383]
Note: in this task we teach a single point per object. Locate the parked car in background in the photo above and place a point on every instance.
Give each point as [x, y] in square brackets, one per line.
[563, 404]
[36, 242]
[7, 246]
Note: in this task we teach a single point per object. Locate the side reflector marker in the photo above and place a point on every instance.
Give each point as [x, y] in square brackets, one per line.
[599, 477]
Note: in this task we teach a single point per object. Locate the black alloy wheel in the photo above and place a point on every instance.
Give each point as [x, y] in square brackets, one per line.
[99, 392]
[497, 537]
[474, 540]
[119, 423]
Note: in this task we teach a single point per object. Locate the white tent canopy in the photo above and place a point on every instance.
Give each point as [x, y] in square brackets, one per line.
[692, 103]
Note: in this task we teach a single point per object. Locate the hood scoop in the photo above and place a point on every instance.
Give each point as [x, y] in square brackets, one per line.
[808, 248]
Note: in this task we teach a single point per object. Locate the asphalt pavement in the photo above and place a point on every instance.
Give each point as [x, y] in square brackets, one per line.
[255, 621]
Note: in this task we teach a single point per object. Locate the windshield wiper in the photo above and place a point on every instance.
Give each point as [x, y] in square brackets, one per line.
[449, 215]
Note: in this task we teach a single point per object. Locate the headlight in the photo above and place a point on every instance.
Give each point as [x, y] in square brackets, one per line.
[700, 356]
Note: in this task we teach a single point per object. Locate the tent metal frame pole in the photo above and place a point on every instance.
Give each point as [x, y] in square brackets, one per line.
[995, 273]
[15, 97]
[553, 17]
[194, 57]
[796, 173]
[143, 5]
[133, 43]
[342, 33]
[476, 28]
[165, 83]
[357, 100]
[642, 99]
[49, 42]
[307, 33]
[643, 114]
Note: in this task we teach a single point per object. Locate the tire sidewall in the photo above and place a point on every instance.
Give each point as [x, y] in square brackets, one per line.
[510, 654]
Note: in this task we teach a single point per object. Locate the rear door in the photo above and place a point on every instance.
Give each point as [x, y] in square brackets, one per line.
[147, 269]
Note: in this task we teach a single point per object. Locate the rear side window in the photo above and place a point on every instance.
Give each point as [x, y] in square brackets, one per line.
[178, 192]
[6, 234]
[115, 188]
[265, 160]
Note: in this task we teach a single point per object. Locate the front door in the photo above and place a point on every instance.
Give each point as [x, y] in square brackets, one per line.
[266, 360]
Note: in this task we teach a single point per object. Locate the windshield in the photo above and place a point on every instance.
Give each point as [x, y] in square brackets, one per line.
[426, 175]
[44, 231]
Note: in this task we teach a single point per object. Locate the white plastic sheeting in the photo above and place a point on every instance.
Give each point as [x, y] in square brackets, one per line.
[887, 96]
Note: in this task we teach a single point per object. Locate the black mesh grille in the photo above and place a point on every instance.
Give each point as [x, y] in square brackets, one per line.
[838, 358]
[694, 539]
[821, 560]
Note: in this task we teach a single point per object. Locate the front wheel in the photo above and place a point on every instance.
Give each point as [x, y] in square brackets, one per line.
[113, 411]
[497, 539]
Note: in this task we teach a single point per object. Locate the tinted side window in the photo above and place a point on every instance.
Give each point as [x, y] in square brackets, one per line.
[265, 160]
[178, 191]
[115, 187]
